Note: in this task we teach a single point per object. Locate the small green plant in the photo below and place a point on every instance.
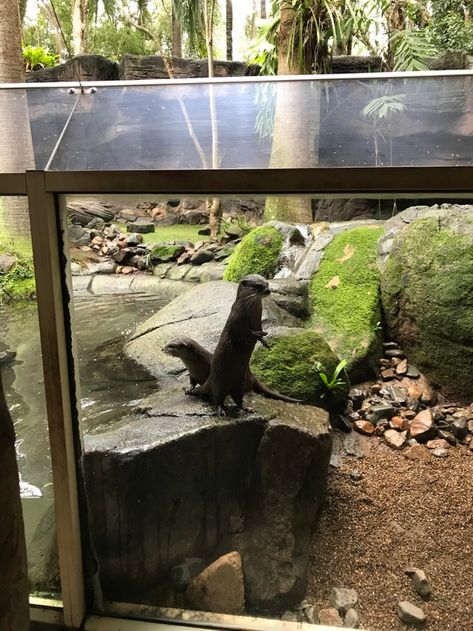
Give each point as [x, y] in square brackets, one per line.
[36, 57]
[335, 382]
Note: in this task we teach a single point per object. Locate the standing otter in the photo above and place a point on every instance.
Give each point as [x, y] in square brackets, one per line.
[231, 358]
[198, 360]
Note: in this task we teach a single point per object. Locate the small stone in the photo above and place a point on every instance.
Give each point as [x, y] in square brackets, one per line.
[356, 396]
[448, 436]
[412, 404]
[380, 411]
[437, 414]
[364, 427]
[416, 452]
[142, 228]
[219, 588]
[408, 414]
[397, 395]
[394, 352]
[412, 371]
[440, 453]
[352, 619]
[97, 241]
[395, 439]
[356, 475]
[201, 257]
[409, 613]
[134, 239]
[421, 584]
[343, 599]
[388, 373]
[401, 368]
[310, 615]
[397, 422]
[390, 345]
[422, 428]
[437, 443]
[376, 388]
[330, 617]
[459, 427]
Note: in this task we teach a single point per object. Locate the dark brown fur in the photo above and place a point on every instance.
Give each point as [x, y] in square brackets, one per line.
[198, 360]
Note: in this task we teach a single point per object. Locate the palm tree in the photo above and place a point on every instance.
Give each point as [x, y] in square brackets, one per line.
[14, 606]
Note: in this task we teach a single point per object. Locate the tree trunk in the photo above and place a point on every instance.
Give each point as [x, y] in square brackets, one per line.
[176, 34]
[23, 4]
[263, 15]
[80, 10]
[295, 125]
[229, 28]
[14, 605]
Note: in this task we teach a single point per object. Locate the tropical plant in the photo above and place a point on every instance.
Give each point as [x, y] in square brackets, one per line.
[333, 383]
[451, 26]
[38, 57]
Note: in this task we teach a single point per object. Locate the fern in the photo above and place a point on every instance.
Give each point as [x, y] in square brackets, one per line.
[411, 50]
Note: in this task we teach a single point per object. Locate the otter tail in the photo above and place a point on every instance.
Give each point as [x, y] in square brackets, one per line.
[260, 388]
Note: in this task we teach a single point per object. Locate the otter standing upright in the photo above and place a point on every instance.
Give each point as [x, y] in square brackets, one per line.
[230, 361]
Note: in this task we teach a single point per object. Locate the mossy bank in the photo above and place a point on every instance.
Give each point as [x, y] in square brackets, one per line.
[345, 299]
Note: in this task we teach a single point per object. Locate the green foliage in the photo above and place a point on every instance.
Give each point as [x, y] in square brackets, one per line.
[345, 296]
[411, 50]
[451, 28]
[38, 57]
[18, 283]
[257, 253]
[289, 366]
[334, 382]
[114, 41]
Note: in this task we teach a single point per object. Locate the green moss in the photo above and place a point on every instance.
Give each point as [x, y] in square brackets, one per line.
[178, 232]
[257, 253]
[427, 292]
[288, 366]
[18, 283]
[345, 299]
[163, 253]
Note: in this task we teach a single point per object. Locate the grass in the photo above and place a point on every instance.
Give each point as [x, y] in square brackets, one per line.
[179, 232]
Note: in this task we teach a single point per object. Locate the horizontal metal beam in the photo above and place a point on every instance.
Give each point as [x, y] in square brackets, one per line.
[12, 184]
[341, 182]
[430, 74]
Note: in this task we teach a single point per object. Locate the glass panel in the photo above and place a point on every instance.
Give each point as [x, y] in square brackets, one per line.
[31, 122]
[188, 509]
[22, 376]
[258, 124]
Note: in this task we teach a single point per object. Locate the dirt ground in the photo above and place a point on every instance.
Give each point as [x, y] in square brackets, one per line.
[401, 513]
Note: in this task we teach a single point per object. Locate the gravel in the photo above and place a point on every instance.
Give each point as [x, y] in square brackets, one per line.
[400, 513]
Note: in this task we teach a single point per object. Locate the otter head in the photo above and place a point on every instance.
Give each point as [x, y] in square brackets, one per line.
[179, 346]
[252, 285]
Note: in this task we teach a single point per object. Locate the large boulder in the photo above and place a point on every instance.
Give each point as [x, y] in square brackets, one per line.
[289, 366]
[153, 67]
[258, 253]
[173, 481]
[85, 67]
[201, 314]
[428, 297]
[345, 299]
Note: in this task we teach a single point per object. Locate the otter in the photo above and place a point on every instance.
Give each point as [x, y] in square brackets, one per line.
[231, 358]
[198, 360]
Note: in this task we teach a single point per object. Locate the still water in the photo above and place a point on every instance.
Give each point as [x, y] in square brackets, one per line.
[108, 384]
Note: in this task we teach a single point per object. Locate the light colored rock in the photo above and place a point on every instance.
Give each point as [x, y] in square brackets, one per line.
[421, 584]
[343, 599]
[409, 613]
[395, 439]
[437, 443]
[219, 588]
[440, 453]
[416, 452]
[352, 620]
[310, 615]
[330, 617]
[422, 427]
[364, 427]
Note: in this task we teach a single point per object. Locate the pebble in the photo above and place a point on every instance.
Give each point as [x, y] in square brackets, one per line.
[416, 452]
[397, 422]
[330, 617]
[356, 475]
[395, 439]
[401, 368]
[394, 352]
[409, 613]
[437, 443]
[343, 599]
[422, 426]
[388, 374]
[459, 428]
[440, 453]
[420, 583]
[412, 372]
[364, 427]
[352, 620]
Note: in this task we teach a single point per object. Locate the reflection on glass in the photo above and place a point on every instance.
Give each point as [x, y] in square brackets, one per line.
[326, 123]
[20, 363]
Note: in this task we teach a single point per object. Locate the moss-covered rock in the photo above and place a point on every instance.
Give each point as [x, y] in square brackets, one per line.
[427, 294]
[289, 366]
[345, 299]
[163, 252]
[18, 283]
[257, 253]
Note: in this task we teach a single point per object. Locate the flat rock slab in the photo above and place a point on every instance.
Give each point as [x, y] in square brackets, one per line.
[175, 481]
[200, 313]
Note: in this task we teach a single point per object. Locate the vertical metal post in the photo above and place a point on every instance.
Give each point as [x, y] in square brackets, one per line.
[47, 259]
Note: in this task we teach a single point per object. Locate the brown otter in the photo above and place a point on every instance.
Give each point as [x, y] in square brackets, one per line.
[231, 358]
[198, 360]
